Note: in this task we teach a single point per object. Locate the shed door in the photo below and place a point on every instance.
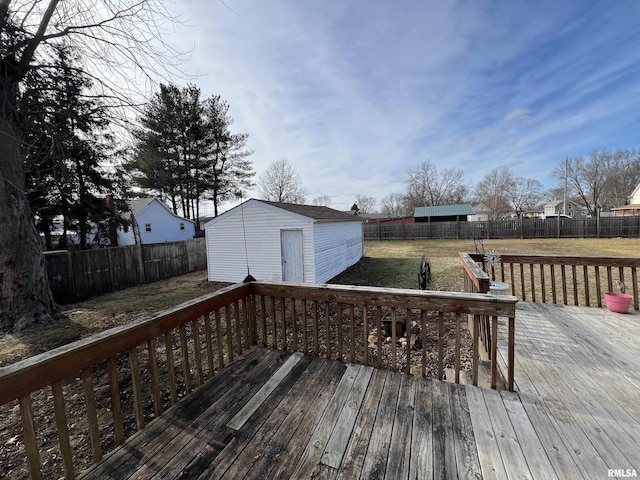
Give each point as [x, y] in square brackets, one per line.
[292, 265]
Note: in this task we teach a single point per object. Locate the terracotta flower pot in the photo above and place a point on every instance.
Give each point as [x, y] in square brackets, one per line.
[618, 302]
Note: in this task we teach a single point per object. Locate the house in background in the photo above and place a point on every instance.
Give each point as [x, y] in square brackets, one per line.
[632, 208]
[557, 206]
[282, 242]
[153, 222]
[481, 213]
[444, 213]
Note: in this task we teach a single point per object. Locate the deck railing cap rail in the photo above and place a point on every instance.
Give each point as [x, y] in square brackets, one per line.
[39, 371]
[456, 302]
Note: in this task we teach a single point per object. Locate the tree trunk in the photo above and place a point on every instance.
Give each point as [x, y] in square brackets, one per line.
[25, 297]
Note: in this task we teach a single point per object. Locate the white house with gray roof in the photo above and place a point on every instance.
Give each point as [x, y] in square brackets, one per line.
[153, 222]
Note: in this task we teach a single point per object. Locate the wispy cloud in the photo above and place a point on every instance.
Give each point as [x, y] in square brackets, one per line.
[355, 93]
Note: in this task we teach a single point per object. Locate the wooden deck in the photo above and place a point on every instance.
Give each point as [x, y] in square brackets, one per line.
[284, 415]
[577, 375]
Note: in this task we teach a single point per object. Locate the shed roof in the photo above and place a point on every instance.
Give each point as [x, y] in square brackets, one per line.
[443, 211]
[314, 211]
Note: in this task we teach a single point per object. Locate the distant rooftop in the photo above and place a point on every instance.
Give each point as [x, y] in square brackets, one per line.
[444, 211]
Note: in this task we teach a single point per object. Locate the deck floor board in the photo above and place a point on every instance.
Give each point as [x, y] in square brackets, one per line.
[575, 414]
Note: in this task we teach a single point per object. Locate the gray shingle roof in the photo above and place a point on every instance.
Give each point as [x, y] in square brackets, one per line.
[443, 211]
[315, 212]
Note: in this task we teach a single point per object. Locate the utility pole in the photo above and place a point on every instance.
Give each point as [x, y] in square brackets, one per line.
[566, 169]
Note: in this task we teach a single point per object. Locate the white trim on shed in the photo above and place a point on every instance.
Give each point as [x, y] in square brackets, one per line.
[331, 241]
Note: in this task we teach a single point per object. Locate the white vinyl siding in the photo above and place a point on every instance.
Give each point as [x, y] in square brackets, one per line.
[164, 226]
[337, 247]
[329, 247]
[225, 243]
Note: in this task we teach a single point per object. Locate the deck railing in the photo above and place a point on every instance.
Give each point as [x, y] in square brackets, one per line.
[484, 327]
[100, 390]
[565, 280]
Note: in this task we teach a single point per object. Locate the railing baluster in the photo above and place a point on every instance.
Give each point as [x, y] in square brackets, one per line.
[116, 406]
[92, 416]
[305, 344]
[365, 335]
[186, 367]
[283, 309]
[554, 294]
[229, 332]
[316, 344]
[63, 429]
[239, 327]
[533, 283]
[575, 284]
[423, 338]
[494, 351]
[135, 385]
[327, 320]
[208, 335]
[634, 279]
[195, 334]
[598, 286]
[393, 339]
[274, 322]
[440, 344]
[352, 333]
[511, 353]
[609, 280]
[30, 443]
[171, 370]
[457, 347]
[219, 344]
[513, 279]
[621, 274]
[379, 335]
[563, 272]
[155, 382]
[263, 323]
[294, 324]
[474, 350]
[522, 286]
[542, 284]
[407, 324]
[585, 271]
[339, 330]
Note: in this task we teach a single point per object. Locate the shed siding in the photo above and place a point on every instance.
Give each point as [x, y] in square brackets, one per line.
[337, 247]
[165, 227]
[225, 244]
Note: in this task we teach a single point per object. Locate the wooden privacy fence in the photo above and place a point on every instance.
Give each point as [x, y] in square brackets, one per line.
[605, 227]
[565, 280]
[101, 390]
[81, 274]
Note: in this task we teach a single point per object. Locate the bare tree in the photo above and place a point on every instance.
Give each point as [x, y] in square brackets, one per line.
[281, 183]
[322, 201]
[524, 193]
[365, 204]
[427, 186]
[587, 179]
[120, 39]
[624, 176]
[393, 205]
[493, 191]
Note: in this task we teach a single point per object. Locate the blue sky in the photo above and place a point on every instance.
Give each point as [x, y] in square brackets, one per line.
[354, 93]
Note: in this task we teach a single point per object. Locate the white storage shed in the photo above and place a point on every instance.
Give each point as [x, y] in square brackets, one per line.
[282, 242]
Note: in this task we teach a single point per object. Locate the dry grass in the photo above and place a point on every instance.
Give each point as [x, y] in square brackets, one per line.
[445, 262]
